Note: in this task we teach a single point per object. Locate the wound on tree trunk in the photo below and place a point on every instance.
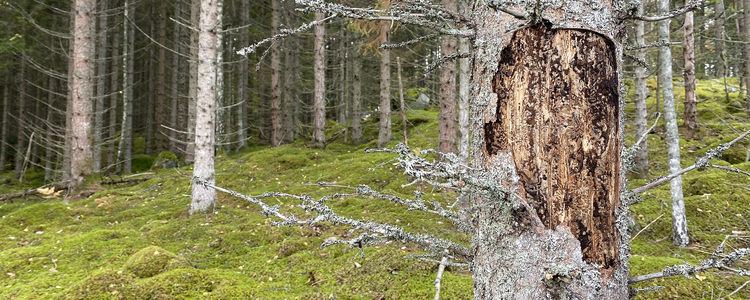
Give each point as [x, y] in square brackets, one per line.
[557, 115]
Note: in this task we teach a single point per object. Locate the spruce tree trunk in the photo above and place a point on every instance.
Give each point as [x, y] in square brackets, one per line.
[21, 143]
[150, 104]
[220, 102]
[464, 77]
[746, 48]
[356, 99]
[204, 197]
[275, 76]
[101, 85]
[679, 224]
[688, 51]
[193, 83]
[242, 95]
[114, 84]
[50, 136]
[719, 46]
[4, 130]
[125, 150]
[385, 87]
[447, 117]
[546, 134]
[319, 105]
[82, 84]
[173, 120]
[641, 112]
[291, 71]
[161, 93]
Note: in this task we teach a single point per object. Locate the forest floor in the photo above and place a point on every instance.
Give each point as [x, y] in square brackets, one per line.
[138, 242]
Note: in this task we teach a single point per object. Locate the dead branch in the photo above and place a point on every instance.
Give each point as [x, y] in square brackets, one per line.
[678, 12]
[31, 192]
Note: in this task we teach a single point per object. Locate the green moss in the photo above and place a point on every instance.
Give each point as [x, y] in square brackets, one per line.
[150, 261]
[105, 284]
[165, 160]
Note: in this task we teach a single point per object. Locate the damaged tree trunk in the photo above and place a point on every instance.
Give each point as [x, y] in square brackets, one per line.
[546, 125]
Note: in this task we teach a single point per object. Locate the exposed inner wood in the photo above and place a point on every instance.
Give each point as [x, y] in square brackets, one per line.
[557, 114]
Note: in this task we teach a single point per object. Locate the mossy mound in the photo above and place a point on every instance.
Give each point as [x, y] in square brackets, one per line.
[104, 284]
[165, 160]
[150, 261]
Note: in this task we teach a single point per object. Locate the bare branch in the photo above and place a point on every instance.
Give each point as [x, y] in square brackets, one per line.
[644, 228]
[284, 33]
[678, 12]
[445, 59]
[409, 42]
[652, 45]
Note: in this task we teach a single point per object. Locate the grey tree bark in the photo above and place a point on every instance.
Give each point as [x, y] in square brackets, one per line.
[688, 51]
[193, 82]
[719, 45]
[4, 130]
[319, 104]
[641, 112]
[50, 135]
[113, 85]
[101, 85]
[746, 49]
[242, 95]
[173, 120]
[401, 101]
[161, 92]
[679, 223]
[447, 117]
[385, 87]
[276, 76]
[82, 84]
[203, 197]
[220, 120]
[125, 149]
[356, 99]
[291, 74]
[21, 143]
[464, 77]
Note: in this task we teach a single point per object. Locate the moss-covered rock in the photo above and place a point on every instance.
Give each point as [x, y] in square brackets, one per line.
[165, 160]
[150, 261]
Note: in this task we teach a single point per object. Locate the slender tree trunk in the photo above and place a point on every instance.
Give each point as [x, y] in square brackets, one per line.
[114, 84]
[193, 83]
[746, 36]
[276, 76]
[173, 120]
[464, 78]
[385, 88]
[688, 51]
[151, 99]
[203, 197]
[719, 47]
[20, 145]
[101, 86]
[161, 92]
[242, 92]
[447, 118]
[82, 84]
[289, 91]
[641, 112]
[356, 99]
[50, 135]
[319, 105]
[220, 102]
[401, 100]
[125, 150]
[679, 224]
[4, 132]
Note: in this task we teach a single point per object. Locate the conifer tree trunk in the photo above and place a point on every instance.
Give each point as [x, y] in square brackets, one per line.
[82, 84]
[447, 118]
[385, 88]
[746, 48]
[464, 77]
[356, 99]
[719, 45]
[173, 120]
[193, 83]
[679, 224]
[49, 134]
[125, 150]
[203, 197]
[101, 85]
[220, 102]
[688, 51]
[21, 144]
[641, 112]
[161, 92]
[276, 76]
[150, 92]
[319, 101]
[114, 86]
[242, 91]
[4, 130]
[291, 71]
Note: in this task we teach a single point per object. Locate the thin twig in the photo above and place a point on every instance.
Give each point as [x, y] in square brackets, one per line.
[644, 228]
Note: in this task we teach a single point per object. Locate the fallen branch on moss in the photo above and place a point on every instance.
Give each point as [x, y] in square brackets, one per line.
[44, 190]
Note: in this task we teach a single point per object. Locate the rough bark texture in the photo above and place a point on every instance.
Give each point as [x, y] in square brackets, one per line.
[291, 74]
[679, 224]
[192, 82]
[4, 130]
[203, 197]
[464, 79]
[688, 53]
[276, 76]
[21, 143]
[546, 127]
[719, 46]
[447, 116]
[401, 101]
[101, 85]
[125, 150]
[641, 112]
[50, 134]
[242, 95]
[82, 84]
[319, 93]
[384, 134]
[746, 37]
[173, 121]
[113, 85]
[161, 92]
[356, 99]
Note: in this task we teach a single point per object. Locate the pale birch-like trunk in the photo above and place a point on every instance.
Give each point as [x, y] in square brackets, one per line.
[641, 112]
[4, 130]
[356, 99]
[319, 101]
[242, 91]
[276, 76]
[113, 85]
[161, 92]
[679, 223]
[447, 117]
[688, 51]
[125, 150]
[385, 88]
[20, 145]
[173, 120]
[464, 78]
[204, 197]
[101, 85]
[192, 83]
[82, 84]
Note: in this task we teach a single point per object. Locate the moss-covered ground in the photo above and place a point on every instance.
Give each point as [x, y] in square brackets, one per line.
[138, 241]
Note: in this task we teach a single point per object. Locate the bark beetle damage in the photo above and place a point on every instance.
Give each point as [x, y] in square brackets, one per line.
[557, 114]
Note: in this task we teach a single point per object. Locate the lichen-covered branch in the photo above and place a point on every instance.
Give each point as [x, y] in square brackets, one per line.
[284, 33]
[652, 45]
[678, 12]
